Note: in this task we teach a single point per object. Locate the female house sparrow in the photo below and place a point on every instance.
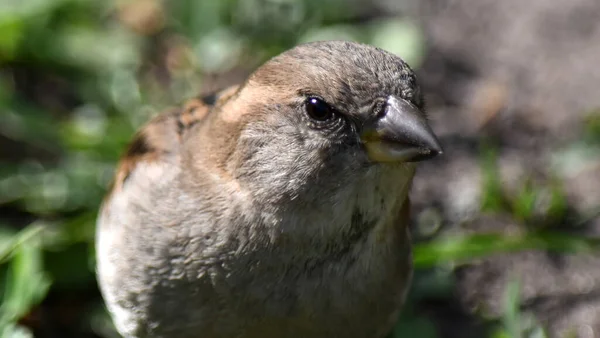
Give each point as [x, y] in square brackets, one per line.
[278, 210]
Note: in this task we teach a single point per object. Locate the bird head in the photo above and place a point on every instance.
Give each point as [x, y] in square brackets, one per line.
[321, 117]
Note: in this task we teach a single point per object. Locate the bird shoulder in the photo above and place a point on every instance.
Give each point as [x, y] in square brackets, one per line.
[159, 140]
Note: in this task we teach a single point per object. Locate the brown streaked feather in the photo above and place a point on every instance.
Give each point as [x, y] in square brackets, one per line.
[162, 135]
[157, 138]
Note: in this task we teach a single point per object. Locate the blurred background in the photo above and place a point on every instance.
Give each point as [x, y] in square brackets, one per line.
[506, 223]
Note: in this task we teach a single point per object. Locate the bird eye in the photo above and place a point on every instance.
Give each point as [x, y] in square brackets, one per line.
[318, 109]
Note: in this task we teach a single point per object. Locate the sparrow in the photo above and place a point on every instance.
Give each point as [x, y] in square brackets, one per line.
[275, 208]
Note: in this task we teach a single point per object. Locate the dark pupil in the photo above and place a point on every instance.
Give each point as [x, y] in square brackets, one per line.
[318, 110]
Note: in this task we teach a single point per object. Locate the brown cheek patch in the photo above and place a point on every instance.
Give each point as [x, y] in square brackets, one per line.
[226, 94]
[250, 97]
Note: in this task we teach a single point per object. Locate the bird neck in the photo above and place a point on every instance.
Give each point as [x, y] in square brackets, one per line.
[328, 221]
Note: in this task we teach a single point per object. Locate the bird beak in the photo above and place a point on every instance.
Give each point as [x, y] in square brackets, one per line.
[400, 134]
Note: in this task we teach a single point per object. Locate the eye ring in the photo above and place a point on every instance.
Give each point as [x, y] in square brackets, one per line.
[318, 110]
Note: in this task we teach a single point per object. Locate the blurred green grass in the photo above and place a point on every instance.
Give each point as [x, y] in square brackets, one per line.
[78, 76]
